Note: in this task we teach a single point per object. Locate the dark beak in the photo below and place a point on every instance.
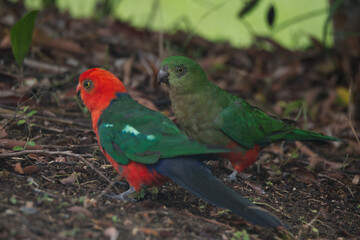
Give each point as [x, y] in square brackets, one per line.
[163, 76]
[78, 91]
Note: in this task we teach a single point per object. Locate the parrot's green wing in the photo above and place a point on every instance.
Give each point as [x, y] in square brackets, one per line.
[128, 130]
[249, 125]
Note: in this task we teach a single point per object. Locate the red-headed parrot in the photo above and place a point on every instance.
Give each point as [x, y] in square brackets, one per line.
[147, 148]
[211, 115]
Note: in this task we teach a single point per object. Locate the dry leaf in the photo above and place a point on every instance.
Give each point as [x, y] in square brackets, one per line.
[305, 176]
[356, 179]
[60, 159]
[18, 168]
[255, 187]
[149, 231]
[5, 43]
[69, 180]
[3, 133]
[79, 209]
[10, 144]
[315, 159]
[30, 169]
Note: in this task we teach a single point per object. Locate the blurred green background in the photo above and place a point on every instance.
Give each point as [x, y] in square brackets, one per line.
[215, 20]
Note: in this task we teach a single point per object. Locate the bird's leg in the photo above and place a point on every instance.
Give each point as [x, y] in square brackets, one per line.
[232, 176]
[123, 196]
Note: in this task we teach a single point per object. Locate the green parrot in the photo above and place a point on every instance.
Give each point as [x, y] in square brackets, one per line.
[211, 115]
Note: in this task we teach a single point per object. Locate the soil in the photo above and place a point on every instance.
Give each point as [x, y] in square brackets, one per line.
[57, 193]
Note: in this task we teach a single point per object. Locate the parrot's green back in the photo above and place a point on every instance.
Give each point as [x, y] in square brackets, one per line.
[211, 115]
[128, 130]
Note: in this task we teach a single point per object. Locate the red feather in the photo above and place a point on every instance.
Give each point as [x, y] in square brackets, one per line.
[239, 160]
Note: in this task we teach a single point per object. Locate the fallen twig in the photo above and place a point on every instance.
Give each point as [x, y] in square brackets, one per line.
[211, 221]
[323, 175]
[105, 190]
[65, 153]
[349, 114]
[12, 114]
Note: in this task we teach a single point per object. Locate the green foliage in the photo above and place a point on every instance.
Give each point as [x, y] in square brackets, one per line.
[115, 219]
[248, 7]
[142, 194]
[45, 198]
[154, 193]
[223, 211]
[291, 107]
[25, 117]
[21, 35]
[334, 7]
[13, 200]
[21, 122]
[269, 183]
[81, 199]
[18, 148]
[72, 232]
[32, 112]
[241, 235]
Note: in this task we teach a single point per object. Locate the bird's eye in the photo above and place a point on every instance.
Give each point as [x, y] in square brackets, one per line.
[181, 70]
[87, 84]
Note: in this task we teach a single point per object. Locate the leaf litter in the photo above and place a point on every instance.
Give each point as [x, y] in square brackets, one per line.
[46, 195]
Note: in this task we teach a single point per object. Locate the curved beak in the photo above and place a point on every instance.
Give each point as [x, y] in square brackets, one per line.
[78, 90]
[163, 76]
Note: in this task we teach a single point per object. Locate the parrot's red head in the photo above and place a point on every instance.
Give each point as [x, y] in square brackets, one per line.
[97, 87]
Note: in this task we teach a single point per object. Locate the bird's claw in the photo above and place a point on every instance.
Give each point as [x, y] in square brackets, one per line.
[233, 177]
[122, 196]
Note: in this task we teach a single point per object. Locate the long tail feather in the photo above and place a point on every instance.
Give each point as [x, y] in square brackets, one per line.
[303, 135]
[194, 176]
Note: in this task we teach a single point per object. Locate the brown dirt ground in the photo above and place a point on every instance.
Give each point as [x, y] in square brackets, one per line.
[50, 196]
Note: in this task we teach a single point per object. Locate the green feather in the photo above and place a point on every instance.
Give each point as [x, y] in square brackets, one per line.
[128, 130]
[211, 115]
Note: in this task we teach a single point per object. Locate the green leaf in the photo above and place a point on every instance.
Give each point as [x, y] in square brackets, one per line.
[21, 35]
[32, 112]
[293, 106]
[334, 7]
[13, 200]
[26, 108]
[31, 143]
[314, 229]
[20, 122]
[18, 148]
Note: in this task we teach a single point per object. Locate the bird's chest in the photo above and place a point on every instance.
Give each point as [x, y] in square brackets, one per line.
[199, 120]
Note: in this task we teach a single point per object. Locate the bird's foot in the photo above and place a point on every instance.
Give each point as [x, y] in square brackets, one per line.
[122, 196]
[233, 177]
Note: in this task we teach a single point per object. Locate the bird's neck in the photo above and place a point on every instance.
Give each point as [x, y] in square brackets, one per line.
[97, 106]
[187, 103]
[95, 115]
[193, 109]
